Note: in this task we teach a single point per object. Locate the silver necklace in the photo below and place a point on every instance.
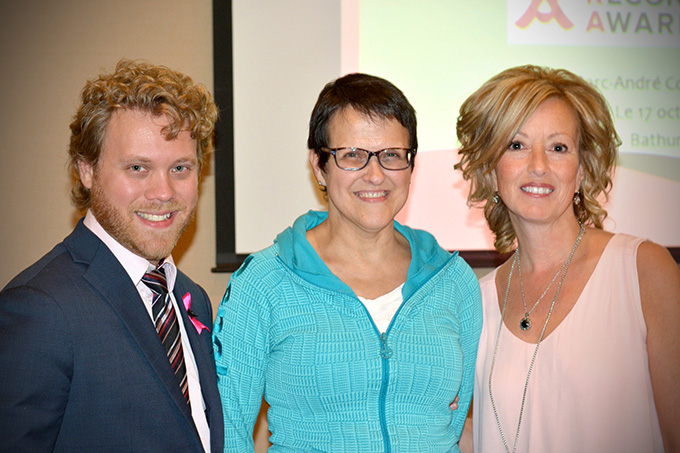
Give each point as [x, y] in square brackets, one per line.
[515, 260]
[525, 322]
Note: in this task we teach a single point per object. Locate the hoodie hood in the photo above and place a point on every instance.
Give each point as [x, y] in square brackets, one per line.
[427, 257]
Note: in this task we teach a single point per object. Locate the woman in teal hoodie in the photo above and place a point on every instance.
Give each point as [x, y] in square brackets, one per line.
[358, 331]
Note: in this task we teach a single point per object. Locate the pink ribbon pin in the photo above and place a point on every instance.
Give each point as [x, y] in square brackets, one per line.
[192, 316]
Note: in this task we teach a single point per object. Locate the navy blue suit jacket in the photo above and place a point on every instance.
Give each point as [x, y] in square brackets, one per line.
[81, 365]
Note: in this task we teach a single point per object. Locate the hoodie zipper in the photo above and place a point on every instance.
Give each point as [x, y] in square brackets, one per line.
[386, 354]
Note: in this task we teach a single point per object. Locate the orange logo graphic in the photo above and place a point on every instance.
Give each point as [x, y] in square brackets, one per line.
[555, 13]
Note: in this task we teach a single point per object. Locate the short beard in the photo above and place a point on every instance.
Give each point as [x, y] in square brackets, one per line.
[118, 226]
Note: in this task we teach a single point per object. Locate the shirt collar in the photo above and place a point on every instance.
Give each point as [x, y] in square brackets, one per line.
[134, 265]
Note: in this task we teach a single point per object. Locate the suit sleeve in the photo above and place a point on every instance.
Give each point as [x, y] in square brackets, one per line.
[36, 366]
[470, 313]
[241, 351]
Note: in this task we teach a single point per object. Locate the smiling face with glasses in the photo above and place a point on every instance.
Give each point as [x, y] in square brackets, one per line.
[365, 192]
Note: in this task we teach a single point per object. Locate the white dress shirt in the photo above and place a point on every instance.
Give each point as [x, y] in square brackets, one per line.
[136, 267]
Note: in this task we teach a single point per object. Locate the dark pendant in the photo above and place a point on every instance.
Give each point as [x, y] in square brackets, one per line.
[524, 324]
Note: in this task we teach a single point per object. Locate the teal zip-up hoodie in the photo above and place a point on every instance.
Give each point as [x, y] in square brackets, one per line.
[288, 329]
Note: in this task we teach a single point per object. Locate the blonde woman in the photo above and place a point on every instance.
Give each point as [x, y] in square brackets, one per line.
[579, 349]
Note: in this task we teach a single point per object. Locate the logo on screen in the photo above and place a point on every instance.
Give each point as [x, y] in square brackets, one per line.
[555, 12]
[629, 23]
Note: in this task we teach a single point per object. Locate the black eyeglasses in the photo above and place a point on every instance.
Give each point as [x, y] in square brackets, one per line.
[353, 159]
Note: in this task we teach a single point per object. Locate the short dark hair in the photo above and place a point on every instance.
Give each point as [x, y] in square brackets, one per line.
[368, 95]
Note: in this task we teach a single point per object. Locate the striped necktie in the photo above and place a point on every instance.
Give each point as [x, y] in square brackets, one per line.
[165, 320]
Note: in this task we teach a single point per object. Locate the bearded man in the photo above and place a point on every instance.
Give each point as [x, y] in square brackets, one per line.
[103, 344]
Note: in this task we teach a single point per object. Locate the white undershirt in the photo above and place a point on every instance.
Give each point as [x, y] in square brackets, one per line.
[136, 267]
[383, 308]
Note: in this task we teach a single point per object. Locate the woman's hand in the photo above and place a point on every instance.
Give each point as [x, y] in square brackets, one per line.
[454, 405]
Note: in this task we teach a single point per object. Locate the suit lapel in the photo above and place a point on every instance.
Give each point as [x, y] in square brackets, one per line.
[198, 344]
[201, 345]
[109, 278]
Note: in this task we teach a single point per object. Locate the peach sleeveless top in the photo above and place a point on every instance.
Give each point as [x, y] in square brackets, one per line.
[590, 389]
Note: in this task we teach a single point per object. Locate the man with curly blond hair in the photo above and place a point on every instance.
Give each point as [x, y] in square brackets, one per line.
[103, 341]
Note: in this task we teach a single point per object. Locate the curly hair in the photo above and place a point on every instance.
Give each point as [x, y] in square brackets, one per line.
[490, 118]
[142, 86]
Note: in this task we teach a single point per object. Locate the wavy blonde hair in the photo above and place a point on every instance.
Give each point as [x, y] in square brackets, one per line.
[492, 116]
[138, 85]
